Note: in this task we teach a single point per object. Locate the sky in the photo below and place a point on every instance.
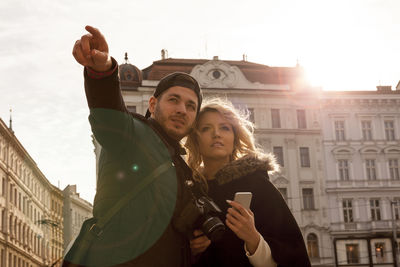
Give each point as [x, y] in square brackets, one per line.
[341, 44]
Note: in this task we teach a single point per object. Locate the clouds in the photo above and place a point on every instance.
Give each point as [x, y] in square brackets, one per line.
[346, 43]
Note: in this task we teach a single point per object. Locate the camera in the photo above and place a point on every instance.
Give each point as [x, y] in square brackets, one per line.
[200, 213]
[208, 221]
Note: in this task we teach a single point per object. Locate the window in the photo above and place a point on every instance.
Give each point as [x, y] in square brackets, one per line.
[3, 187]
[375, 209]
[283, 192]
[278, 152]
[312, 246]
[370, 169]
[339, 130]
[389, 130]
[304, 157]
[347, 210]
[251, 115]
[276, 118]
[394, 169]
[11, 193]
[397, 208]
[301, 119]
[380, 252]
[343, 169]
[3, 221]
[352, 253]
[131, 109]
[366, 130]
[308, 198]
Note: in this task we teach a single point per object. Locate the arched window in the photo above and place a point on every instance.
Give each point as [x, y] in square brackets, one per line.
[312, 246]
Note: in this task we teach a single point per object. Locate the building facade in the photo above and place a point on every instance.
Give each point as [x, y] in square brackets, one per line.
[56, 222]
[361, 133]
[25, 194]
[286, 113]
[75, 211]
[339, 151]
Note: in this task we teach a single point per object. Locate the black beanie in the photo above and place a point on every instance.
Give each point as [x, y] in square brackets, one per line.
[178, 79]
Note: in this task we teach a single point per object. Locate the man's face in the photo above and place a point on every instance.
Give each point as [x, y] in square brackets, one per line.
[175, 110]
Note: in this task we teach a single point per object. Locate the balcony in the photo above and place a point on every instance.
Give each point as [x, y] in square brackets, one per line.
[336, 184]
[367, 226]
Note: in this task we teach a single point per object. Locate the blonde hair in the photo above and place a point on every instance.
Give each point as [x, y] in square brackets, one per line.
[243, 130]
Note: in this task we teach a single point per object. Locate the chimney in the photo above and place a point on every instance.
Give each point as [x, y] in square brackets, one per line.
[384, 88]
[244, 57]
[398, 86]
[164, 54]
[215, 58]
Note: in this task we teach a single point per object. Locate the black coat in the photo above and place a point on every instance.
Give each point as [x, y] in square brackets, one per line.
[273, 218]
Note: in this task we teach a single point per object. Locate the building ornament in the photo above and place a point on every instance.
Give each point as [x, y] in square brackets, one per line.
[219, 74]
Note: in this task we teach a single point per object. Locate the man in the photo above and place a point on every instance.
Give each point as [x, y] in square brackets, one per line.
[148, 229]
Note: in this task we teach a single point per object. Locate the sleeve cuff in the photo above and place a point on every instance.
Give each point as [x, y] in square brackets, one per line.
[100, 75]
[262, 256]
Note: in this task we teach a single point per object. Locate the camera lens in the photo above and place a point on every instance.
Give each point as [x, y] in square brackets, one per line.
[213, 228]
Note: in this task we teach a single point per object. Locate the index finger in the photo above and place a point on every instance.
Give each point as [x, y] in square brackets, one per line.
[238, 207]
[94, 31]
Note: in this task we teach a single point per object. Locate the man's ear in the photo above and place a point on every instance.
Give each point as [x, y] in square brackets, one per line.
[152, 104]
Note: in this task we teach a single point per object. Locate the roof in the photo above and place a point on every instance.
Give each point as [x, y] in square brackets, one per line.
[252, 71]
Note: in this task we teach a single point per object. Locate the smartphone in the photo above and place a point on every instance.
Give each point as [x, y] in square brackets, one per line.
[244, 198]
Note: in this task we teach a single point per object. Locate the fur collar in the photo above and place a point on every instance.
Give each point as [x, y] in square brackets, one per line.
[246, 165]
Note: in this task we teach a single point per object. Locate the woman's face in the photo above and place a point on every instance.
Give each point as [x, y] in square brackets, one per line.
[215, 137]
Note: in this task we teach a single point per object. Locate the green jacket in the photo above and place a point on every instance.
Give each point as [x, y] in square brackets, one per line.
[142, 233]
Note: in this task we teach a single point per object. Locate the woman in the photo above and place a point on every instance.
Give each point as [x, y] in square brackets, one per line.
[221, 149]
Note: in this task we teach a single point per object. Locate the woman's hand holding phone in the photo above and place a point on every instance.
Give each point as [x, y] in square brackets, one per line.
[241, 222]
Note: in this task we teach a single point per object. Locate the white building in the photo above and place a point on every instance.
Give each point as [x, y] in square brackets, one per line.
[287, 116]
[361, 133]
[339, 151]
[75, 211]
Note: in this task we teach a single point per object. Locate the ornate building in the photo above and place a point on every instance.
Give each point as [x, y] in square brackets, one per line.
[287, 117]
[25, 195]
[56, 222]
[361, 133]
[339, 151]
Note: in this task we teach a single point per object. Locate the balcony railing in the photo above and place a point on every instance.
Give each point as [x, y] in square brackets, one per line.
[382, 225]
[333, 184]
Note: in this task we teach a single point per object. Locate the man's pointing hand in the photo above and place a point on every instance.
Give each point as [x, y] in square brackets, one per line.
[92, 51]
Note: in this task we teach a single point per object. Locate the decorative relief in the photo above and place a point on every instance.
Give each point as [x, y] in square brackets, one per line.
[219, 74]
[280, 181]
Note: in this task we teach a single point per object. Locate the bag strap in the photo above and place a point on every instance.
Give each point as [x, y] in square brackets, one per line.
[97, 228]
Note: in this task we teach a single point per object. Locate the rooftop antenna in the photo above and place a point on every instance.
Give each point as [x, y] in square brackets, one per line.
[11, 121]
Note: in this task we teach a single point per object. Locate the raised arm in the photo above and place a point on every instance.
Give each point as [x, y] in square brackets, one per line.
[111, 124]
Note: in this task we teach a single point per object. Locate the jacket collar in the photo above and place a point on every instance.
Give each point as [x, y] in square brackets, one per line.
[246, 165]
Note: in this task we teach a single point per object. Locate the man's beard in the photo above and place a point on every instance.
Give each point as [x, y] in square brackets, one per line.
[162, 120]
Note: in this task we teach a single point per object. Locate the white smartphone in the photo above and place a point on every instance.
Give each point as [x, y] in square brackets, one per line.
[244, 198]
